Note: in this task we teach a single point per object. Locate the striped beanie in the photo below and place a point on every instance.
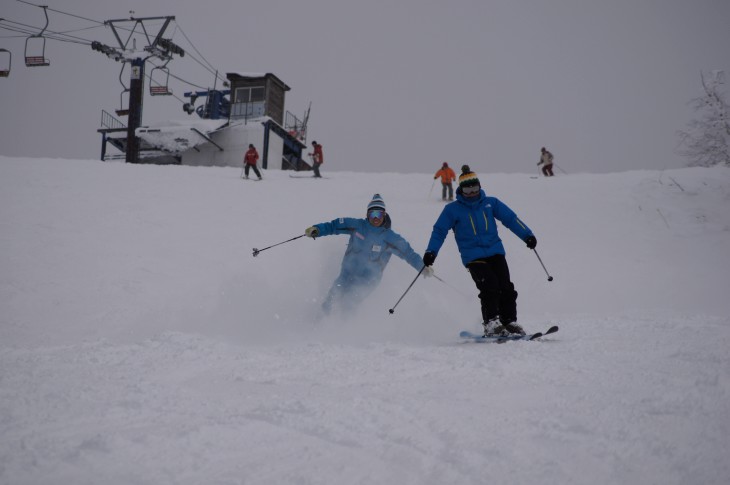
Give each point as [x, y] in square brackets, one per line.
[376, 203]
[468, 178]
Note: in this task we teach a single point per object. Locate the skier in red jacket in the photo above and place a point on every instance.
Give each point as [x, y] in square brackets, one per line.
[249, 161]
[317, 158]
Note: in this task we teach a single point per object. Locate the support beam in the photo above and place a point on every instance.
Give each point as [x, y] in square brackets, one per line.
[136, 98]
[207, 138]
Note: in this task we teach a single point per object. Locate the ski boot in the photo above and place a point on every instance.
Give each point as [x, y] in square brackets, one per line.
[493, 327]
[513, 327]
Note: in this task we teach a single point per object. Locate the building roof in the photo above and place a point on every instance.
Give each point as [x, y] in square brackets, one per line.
[233, 76]
[177, 136]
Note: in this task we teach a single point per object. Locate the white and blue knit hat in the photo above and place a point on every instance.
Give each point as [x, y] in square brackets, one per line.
[376, 203]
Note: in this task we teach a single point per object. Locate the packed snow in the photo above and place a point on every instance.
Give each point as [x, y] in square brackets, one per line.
[142, 343]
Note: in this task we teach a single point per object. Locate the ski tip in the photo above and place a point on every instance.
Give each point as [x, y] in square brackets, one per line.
[535, 336]
[552, 329]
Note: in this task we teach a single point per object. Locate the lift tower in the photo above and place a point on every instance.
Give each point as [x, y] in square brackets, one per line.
[156, 47]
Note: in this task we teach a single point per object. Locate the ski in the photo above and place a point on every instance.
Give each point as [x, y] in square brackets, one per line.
[307, 177]
[480, 338]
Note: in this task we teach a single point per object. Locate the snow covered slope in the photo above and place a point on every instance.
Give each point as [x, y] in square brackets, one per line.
[140, 341]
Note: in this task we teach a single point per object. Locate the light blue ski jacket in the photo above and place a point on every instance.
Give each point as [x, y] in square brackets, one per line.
[369, 249]
[475, 227]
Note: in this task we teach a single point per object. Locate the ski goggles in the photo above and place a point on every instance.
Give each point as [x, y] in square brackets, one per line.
[470, 190]
[376, 214]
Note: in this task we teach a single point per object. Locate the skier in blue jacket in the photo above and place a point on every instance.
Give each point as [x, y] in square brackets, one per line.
[372, 243]
[472, 217]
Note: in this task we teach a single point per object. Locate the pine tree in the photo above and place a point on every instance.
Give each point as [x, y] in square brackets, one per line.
[706, 142]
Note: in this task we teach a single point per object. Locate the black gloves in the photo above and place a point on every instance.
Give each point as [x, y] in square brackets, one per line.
[429, 258]
[531, 242]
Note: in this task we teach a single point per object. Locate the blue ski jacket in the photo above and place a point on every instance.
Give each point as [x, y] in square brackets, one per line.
[369, 248]
[474, 225]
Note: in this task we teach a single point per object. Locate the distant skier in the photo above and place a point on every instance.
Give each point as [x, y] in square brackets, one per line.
[546, 160]
[317, 158]
[372, 243]
[447, 178]
[473, 217]
[249, 161]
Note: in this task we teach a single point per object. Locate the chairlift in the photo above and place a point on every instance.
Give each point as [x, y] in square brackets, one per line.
[6, 59]
[36, 55]
[123, 110]
[158, 88]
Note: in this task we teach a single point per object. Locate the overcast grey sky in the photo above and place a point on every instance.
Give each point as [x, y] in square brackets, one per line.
[398, 85]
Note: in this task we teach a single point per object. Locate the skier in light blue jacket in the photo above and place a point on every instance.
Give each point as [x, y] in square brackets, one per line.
[372, 243]
[472, 217]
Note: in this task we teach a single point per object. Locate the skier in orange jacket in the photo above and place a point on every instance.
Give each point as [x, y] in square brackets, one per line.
[447, 177]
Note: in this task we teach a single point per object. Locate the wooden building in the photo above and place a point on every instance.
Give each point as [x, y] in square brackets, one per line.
[256, 95]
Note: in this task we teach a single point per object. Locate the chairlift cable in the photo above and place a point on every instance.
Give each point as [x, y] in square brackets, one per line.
[61, 12]
[30, 30]
[177, 26]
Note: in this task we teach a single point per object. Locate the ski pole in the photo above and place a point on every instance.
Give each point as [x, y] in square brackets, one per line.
[257, 251]
[242, 169]
[566, 173]
[392, 310]
[550, 278]
[432, 186]
[450, 286]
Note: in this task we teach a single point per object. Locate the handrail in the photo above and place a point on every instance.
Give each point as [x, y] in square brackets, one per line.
[110, 122]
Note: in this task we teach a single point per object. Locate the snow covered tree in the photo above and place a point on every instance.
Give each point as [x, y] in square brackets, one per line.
[706, 142]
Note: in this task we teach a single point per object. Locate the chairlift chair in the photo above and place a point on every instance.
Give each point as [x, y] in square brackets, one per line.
[158, 88]
[6, 60]
[34, 58]
[122, 111]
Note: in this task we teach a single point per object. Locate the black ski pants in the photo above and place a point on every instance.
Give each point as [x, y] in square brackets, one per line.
[255, 169]
[496, 292]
